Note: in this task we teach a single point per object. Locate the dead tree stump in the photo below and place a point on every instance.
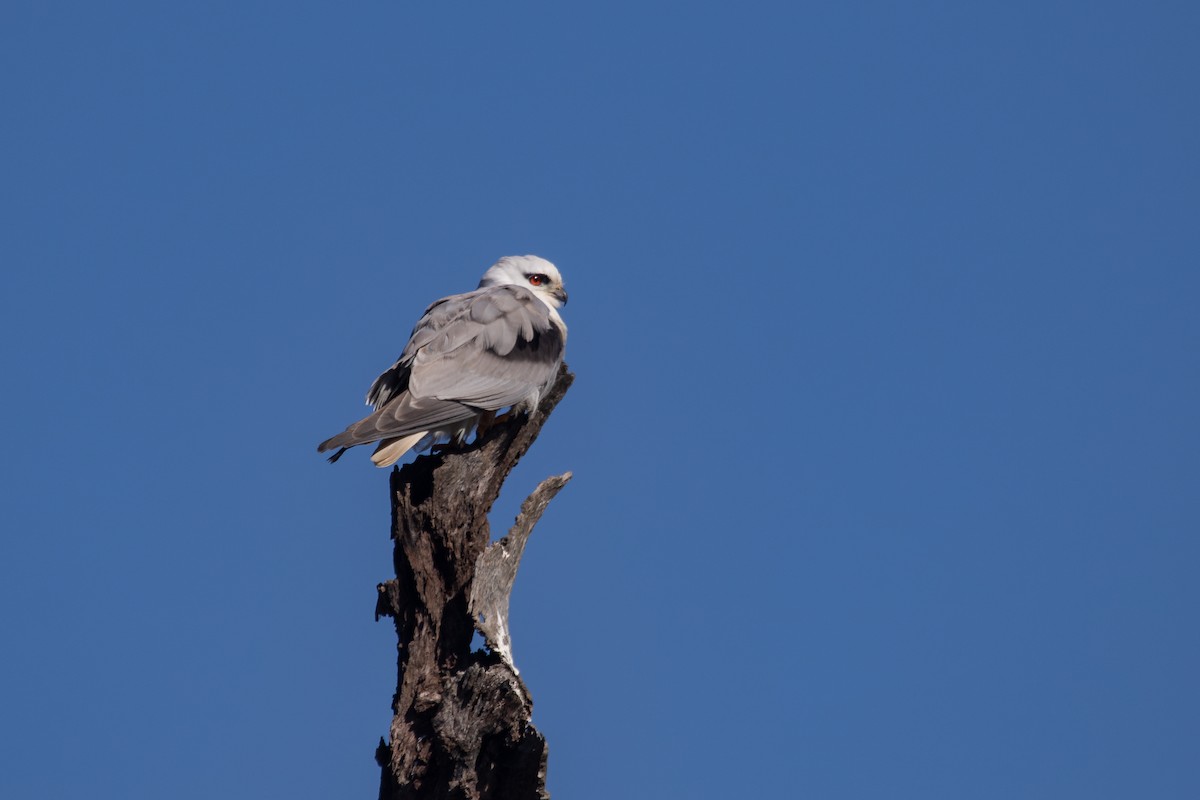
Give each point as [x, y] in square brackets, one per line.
[461, 728]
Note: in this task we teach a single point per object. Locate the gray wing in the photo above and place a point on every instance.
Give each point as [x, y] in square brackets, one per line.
[482, 350]
[495, 349]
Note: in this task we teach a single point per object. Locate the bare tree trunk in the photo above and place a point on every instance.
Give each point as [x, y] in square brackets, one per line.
[462, 719]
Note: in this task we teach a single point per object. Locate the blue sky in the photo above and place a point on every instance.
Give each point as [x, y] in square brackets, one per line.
[884, 432]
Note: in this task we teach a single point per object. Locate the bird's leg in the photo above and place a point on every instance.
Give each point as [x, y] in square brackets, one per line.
[505, 417]
[487, 421]
[458, 440]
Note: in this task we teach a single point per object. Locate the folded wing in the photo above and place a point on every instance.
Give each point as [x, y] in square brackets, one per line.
[479, 351]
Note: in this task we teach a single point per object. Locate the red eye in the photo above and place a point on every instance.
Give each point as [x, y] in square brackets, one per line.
[537, 280]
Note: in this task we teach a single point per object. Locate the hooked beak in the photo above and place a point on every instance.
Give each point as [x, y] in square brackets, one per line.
[561, 295]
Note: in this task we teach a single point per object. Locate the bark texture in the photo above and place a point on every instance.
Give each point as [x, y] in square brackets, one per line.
[461, 727]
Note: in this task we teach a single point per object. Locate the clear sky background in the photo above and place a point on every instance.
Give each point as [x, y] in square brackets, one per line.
[885, 431]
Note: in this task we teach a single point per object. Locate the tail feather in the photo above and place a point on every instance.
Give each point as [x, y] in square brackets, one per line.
[390, 451]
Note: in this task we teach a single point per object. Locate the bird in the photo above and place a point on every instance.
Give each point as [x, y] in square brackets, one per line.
[469, 356]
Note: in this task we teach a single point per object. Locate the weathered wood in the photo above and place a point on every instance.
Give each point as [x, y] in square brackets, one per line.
[462, 719]
[496, 570]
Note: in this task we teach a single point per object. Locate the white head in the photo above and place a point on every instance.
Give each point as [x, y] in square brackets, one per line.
[536, 274]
